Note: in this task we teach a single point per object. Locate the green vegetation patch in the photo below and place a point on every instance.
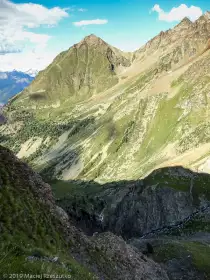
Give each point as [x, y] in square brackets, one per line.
[28, 227]
[198, 252]
[181, 179]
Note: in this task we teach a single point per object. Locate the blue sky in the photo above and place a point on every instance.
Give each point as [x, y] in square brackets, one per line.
[44, 30]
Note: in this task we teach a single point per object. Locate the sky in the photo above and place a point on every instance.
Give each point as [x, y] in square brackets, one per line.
[33, 33]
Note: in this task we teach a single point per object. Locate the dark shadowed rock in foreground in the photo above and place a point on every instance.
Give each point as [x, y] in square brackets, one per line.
[36, 235]
[169, 210]
[166, 198]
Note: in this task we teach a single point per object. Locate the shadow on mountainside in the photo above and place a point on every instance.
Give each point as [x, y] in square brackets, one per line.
[167, 199]
[38, 238]
[166, 216]
[29, 216]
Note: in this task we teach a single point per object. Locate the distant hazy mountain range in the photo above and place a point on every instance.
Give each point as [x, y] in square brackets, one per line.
[31, 72]
[13, 82]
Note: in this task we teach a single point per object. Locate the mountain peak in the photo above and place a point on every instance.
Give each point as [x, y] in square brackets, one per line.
[92, 37]
[185, 20]
[207, 15]
[31, 72]
[184, 23]
[204, 18]
[91, 40]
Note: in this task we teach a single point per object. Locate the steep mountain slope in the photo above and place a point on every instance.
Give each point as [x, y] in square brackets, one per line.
[2, 117]
[31, 224]
[37, 237]
[98, 113]
[166, 216]
[11, 83]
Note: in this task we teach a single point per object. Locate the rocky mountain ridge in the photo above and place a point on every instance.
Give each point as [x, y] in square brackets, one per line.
[75, 73]
[98, 113]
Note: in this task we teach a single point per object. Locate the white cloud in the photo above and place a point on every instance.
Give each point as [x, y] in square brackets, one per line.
[34, 60]
[82, 10]
[7, 48]
[90, 22]
[34, 15]
[29, 14]
[178, 13]
[18, 20]
[157, 8]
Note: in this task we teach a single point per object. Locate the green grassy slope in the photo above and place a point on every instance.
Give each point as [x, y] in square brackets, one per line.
[37, 237]
[85, 69]
[28, 225]
[121, 138]
[196, 253]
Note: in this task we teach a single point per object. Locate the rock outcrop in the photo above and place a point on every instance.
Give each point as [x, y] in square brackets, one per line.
[167, 198]
[29, 218]
[166, 216]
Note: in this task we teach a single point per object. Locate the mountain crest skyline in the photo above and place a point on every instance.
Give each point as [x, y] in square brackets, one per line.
[184, 23]
[21, 63]
[100, 84]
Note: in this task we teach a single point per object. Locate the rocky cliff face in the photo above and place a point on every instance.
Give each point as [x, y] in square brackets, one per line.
[176, 46]
[166, 198]
[166, 216]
